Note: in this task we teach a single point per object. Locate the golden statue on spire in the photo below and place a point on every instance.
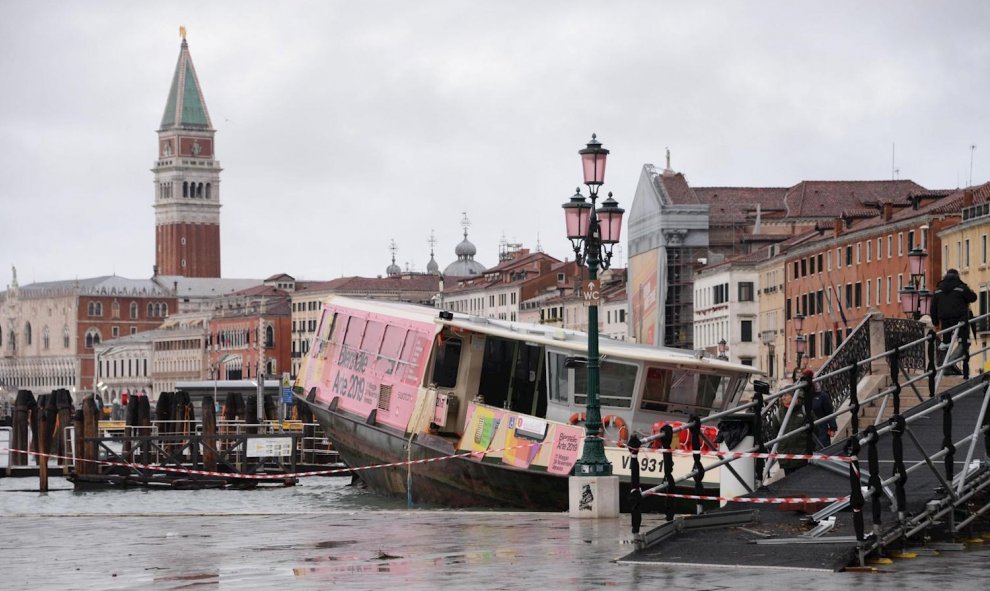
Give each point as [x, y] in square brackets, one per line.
[182, 32]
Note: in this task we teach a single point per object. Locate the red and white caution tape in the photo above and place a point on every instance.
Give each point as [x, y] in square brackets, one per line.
[755, 500]
[744, 454]
[235, 475]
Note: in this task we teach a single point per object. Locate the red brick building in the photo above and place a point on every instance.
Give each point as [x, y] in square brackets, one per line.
[247, 325]
[858, 263]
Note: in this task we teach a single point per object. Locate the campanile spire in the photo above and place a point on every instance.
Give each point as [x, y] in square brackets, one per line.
[187, 180]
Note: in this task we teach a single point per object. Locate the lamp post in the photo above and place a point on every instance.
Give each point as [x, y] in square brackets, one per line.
[767, 336]
[800, 341]
[800, 345]
[593, 233]
[915, 298]
[722, 346]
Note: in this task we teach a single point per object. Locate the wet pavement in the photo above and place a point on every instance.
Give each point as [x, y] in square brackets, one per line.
[324, 534]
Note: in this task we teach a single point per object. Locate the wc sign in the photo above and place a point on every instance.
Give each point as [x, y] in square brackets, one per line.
[591, 294]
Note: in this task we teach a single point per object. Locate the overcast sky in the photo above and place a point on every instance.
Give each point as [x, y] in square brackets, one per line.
[344, 125]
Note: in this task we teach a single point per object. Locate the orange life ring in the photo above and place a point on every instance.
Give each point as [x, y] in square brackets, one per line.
[709, 432]
[620, 424]
[578, 417]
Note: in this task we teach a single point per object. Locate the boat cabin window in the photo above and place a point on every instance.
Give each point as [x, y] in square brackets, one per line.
[617, 382]
[680, 390]
[512, 376]
[447, 362]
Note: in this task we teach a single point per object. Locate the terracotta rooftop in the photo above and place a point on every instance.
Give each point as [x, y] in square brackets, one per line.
[830, 198]
[737, 204]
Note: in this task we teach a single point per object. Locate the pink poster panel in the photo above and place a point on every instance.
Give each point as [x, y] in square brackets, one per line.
[566, 445]
[376, 362]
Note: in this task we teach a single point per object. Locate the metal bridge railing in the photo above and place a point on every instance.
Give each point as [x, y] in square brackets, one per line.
[910, 348]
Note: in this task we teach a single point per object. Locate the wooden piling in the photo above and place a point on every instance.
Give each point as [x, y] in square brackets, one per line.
[33, 419]
[91, 429]
[144, 422]
[81, 467]
[22, 414]
[63, 404]
[43, 447]
[131, 427]
[208, 413]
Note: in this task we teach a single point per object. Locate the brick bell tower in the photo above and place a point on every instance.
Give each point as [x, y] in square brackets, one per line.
[187, 181]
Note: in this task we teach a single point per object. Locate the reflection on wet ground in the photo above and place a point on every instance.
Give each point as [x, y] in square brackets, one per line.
[324, 534]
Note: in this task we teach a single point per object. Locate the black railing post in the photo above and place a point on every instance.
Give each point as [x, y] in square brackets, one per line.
[808, 401]
[947, 445]
[876, 485]
[895, 366]
[666, 439]
[856, 501]
[932, 362]
[854, 399]
[758, 433]
[964, 335]
[897, 431]
[635, 492]
[699, 468]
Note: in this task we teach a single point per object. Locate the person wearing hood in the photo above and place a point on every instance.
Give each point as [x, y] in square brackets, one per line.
[950, 306]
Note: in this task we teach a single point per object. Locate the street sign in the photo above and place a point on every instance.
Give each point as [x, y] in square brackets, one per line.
[591, 293]
[286, 388]
[268, 447]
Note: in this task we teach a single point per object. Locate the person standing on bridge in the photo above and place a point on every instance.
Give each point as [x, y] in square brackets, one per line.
[821, 406]
[794, 443]
[950, 306]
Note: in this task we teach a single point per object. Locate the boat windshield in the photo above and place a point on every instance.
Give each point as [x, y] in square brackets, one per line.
[617, 382]
[681, 390]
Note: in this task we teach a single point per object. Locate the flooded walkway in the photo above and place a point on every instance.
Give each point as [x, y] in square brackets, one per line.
[203, 540]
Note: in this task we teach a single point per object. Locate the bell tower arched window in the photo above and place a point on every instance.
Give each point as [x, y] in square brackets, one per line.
[269, 336]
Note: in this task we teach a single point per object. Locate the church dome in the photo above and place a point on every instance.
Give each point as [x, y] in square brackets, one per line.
[465, 248]
[393, 270]
[465, 265]
[432, 266]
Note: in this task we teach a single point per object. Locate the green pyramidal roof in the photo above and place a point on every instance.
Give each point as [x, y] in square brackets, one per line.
[185, 106]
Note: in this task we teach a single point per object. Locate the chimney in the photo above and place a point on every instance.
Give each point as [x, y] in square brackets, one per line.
[967, 198]
[839, 226]
[888, 211]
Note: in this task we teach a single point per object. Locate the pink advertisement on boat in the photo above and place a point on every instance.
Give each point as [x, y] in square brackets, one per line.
[375, 363]
[564, 453]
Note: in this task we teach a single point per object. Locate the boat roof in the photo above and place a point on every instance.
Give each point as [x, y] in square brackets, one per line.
[540, 334]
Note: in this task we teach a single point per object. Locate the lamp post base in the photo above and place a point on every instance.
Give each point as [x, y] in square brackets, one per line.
[593, 497]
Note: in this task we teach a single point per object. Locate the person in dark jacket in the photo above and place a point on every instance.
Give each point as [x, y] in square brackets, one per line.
[821, 406]
[950, 306]
[795, 443]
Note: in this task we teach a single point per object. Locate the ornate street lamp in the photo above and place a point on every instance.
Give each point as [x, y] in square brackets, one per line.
[799, 323]
[801, 346]
[593, 233]
[915, 299]
[722, 346]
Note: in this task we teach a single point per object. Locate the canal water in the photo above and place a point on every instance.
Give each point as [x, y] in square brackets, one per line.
[325, 534]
